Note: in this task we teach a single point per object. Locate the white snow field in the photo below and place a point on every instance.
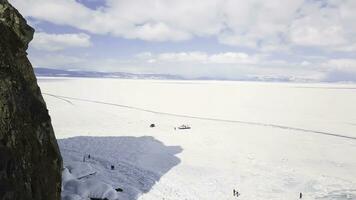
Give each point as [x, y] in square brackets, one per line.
[265, 140]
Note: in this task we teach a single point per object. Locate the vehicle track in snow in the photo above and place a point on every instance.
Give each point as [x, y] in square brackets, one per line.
[67, 99]
[60, 98]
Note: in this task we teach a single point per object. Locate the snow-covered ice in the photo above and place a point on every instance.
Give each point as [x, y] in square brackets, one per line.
[266, 140]
[138, 163]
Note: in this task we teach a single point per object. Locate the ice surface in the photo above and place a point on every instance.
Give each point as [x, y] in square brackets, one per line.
[138, 163]
[266, 140]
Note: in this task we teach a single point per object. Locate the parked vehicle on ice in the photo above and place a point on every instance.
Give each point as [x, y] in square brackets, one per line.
[184, 126]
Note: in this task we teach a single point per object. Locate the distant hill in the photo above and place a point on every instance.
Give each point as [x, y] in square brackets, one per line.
[46, 72]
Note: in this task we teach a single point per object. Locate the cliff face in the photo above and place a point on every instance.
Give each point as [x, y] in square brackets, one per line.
[30, 162]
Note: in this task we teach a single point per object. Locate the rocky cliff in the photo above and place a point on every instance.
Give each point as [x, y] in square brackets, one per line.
[30, 162]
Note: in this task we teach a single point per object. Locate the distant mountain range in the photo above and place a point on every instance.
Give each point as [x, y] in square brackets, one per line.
[46, 72]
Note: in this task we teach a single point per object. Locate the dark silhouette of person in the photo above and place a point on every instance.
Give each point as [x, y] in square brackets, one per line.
[236, 193]
[300, 195]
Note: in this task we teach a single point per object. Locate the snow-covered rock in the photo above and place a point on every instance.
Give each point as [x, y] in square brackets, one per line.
[74, 188]
[80, 169]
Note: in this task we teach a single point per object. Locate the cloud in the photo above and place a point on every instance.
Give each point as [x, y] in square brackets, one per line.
[192, 64]
[339, 70]
[240, 65]
[339, 76]
[309, 32]
[346, 65]
[258, 23]
[158, 32]
[317, 26]
[56, 42]
[302, 38]
[56, 60]
[200, 57]
[270, 25]
[233, 57]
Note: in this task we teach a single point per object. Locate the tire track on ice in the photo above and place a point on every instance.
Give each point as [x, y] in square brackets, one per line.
[58, 97]
[65, 98]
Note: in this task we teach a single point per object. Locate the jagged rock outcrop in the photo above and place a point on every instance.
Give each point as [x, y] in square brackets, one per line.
[30, 161]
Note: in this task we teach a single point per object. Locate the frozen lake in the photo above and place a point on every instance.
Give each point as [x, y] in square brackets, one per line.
[264, 140]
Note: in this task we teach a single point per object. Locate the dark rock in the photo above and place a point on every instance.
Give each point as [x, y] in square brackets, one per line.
[30, 161]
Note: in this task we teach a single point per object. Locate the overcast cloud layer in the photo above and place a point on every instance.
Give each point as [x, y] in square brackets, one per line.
[300, 39]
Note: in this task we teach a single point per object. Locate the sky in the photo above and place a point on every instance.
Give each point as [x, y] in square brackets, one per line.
[302, 40]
